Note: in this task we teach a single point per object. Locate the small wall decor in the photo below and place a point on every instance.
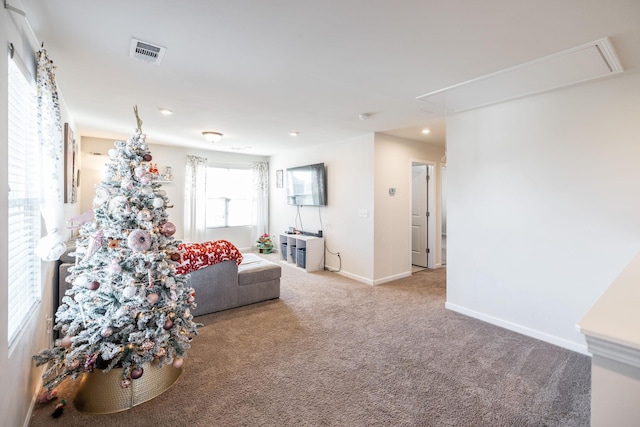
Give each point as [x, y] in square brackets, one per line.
[279, 178]
[70, 166]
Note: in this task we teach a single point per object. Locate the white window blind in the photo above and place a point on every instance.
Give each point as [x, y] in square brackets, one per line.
[24, 212]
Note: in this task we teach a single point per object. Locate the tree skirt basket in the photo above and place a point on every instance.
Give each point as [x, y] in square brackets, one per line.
[100, 393]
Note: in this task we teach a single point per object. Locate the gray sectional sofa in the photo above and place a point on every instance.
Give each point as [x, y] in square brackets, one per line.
[218, 287]
[227, 285]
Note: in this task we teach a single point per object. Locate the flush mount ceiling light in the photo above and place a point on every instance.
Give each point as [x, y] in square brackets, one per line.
[293, 133]
[212, 136]
[165, 111]
[426, 131]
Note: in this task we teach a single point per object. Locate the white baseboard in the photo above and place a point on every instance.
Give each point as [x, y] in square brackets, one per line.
[392, 278]
[353, 276]
[560, 342]
[32, 406]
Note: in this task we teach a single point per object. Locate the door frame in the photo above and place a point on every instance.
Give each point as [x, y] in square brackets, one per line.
[432, 208]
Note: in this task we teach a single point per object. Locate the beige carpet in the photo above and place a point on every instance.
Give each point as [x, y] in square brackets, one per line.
[334, 352]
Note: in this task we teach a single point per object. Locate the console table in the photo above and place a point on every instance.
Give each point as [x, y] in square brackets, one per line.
[306, 252]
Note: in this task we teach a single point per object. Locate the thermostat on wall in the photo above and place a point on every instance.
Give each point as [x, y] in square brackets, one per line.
[392, 191]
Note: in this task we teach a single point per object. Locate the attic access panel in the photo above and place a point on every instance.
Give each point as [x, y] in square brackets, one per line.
[580, 64]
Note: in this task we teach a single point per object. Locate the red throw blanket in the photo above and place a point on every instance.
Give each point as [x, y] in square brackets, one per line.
[199, 255]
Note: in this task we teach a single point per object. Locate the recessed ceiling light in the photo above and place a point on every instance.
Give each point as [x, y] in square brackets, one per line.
[293, 133]
[165, 111]
[426, 131]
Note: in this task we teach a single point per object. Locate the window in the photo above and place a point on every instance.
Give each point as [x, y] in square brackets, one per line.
[229, 197]
[23, 217]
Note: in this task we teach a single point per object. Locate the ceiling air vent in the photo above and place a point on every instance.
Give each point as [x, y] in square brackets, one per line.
[146, 51]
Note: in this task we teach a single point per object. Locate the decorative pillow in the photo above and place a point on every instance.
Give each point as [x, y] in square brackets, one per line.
[199, 255]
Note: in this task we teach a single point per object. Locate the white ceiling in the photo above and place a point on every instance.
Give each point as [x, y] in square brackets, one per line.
[255, 70]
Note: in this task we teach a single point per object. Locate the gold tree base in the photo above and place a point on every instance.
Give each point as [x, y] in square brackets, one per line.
[100, 393]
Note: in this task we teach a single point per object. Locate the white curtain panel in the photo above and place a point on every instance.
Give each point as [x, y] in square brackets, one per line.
[195, 199]
[261, 196]
[53, 245]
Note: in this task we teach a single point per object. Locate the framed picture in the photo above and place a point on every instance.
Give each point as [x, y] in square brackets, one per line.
[70, 165]
[279, 178]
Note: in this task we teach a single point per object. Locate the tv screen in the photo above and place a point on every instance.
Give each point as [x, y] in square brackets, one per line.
[307, 185]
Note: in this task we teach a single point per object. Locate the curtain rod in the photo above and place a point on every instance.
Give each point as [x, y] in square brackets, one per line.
[24, 15]
[14, 9]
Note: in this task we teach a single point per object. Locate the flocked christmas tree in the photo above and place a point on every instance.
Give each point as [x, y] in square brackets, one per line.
[126, 306]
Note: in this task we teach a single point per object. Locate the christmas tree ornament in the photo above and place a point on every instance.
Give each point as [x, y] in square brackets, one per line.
[140, 171]
[168, 229]
[178, 362]
[148, 190]
[152, 298]
[95, 242]
[145, 215]
[174, 256]
[94, 285]
[168, 324]
[114, 243]
[126, 184]
[47, 396]
[59, 409]
[139, 240]
[158, 202]
[136, 373]
[147, 157]
[129, 291]
[66, 341]
[146, 178]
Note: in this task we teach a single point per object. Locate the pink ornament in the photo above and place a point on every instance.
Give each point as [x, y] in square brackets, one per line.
[66, 341]
[125, 383]
[168, 229]
[139, 240]
[115, 266]
[147, 157]
[178, 362]
[136, 373]
[145, 215]
[152, 298]
[94, 285]
[146, 178]
[168, 324]
[106, 332]
[126, 184]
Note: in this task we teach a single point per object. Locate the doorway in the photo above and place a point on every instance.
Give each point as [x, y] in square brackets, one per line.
[422, 218]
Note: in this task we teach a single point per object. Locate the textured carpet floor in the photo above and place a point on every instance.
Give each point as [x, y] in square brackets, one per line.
[335, 352]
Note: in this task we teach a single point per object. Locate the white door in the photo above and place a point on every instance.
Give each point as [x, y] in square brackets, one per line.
[419, 215]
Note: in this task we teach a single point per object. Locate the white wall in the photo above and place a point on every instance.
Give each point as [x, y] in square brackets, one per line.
[175, 157]
[18, 373]
[392, 169]
[543, 206]
[350, 190]
[370, 229]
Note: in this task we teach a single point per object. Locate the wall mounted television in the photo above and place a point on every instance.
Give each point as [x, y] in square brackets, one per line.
[307, 185]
